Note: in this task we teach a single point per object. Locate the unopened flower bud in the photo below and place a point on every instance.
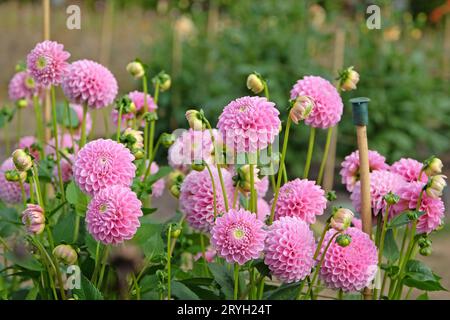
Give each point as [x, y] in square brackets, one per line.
[194, 119]
[391, 198]
[22, 160]
[436, 185]
[424, 242]
[22, 103]
[150, 116]
[138, 153]
[343, 240]
[301, 109]
[348, 79]
[175, 234]
[341, 219]
[65, 254]
[331, 195]
[433, 167]
[426, 251]
[131, 108]
[244, 176]
[198, 166]
[175, 191]
[136, 69]
[15, 176]
[255, 83]
[175, 177]
[165, 82]
[167, 139]
[133, 138]
[33, 218]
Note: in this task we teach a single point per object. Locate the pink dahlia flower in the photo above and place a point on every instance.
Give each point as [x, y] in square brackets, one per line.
[190, 147]
[159, 185]
[434, 208]
[409, 169]
[328, 105]
[137, 98]
[349, 268]
[289, 250]
[29, 143]
[33, 218]
[263, 209]
[238, 236]
[23, 86]
[88, 82]
[79, 112]
[103, 163]
[357, 223]
[350, 167]
[113, 215]
[47, 63]
[10, 191]
[249, 124]
[381, 183]
[301, 198]
[197, 201]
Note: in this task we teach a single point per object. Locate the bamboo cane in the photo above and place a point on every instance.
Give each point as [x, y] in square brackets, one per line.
[46, 35]
[360, 120]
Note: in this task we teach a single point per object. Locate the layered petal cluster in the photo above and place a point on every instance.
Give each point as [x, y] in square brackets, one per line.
[349, 268]
[88, 82]
[328, 106]
[197, 200]
[409, 169]
[350, 167]
[23, 86]
[238, 236]
[289, 249]
[113, 215]
[10, 191]
[301, 198]
[249, 124]
[102, 163]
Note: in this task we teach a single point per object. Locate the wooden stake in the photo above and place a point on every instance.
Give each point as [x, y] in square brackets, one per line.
[46, 36]
[360, 119]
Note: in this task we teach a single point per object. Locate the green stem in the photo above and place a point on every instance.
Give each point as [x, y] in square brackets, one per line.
[83, 126]
[119, 124]
[280, 170]
[96, 264]
[325, 156]
[381, 247]
[76, 230]
[236, 281]
[214, 190]
[19, 123]
[102, 271]
[24, 197]
[39, 124]
[67, 114]
[252, 189]
[202, 245]
[312, 136]
[55, 136]
[169, 255]
[235, 196]
[106, 121]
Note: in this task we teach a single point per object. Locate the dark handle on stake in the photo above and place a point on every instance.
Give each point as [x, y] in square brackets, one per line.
[360, 111]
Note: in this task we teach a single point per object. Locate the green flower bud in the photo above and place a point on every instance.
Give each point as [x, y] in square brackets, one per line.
[391, 198]
[331, 195]
[426, 251]
[436, 185]
[15, 176]
[433, 166]
[344, 240]
[255, 83]
[348, 79]
[195, 120]
[65, 254]
[167, 139]
[136, 69]
[175, 191]
[198, 166]
[22, 160]
[22, 103]
[175, 234]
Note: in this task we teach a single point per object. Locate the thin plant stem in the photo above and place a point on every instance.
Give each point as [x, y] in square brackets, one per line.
[7, 141]
[252, 189]
[325, 156]
[19, 123]
[106, 121]
[96, 264]
[214, 190]
[55, 136]
[24, 197]
[83, 126]
[169, 269]
[381, 246]
[39, 124]
[202, 245]
[235, 197]
[119, 124]
[67, 114]
[236, 281]
[312, 137]
[102, 271]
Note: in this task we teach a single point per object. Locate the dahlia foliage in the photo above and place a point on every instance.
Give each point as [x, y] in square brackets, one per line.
[234, 225]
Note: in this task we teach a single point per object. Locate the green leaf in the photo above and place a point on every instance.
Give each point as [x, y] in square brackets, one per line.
[403, 218]
[28, 261]
[77, 198]
[91, 245]
[147, 211]
[162, 172]
[390, 250]
[153, 247]
[182, 292]
[262, 268]
[423, 296]
[87, 291]
[420, 276]
[64, 228]
[63, 118]
[9, 221]
[284, 292]
[224, 279]
[149, 283]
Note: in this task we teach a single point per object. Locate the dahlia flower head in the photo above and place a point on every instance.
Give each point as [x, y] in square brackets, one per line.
[88, 82]
[409, 169]
[197, 197]
[23, 86]
[34, 219]
[381, 183]
[238, 236]
[47, 63]
[113, 215]
[434, 208]
[159, 185]
[289, 249]
[350, 167]
[249, 124]
[28, 143]
[102, 163]
[190, 147]
[10, 191]
[64, 143]
[349, 268]
[79, 112]
[137, 98]
[302, 199]
[328, 106]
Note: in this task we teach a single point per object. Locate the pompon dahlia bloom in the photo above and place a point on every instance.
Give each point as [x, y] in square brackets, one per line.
[28, 143]
[196, 197]
[350, 167]
[301, 198]
[102, 163]
[88, 82]
[137, 98]
[349, 268]
[409, 169]
[289, 249]
[434, 208]
[10, 191]
[33, 218]
[249, 124]
[381, 183]
[328, 105]
[47, 63]
[263, 209]
[238, 236]
[159, 185]
[113, 215]
[79, 111]
[23, 86]
[191, 146]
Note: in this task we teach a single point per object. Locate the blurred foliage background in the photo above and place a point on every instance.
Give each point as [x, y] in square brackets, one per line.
[209, 47]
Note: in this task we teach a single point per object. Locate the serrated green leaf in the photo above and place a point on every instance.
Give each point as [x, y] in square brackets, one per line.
[87, 290]
[77, 198]
[182, 292]
[224, 279]
[28, 261]
[284, 292]
[390, 250]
